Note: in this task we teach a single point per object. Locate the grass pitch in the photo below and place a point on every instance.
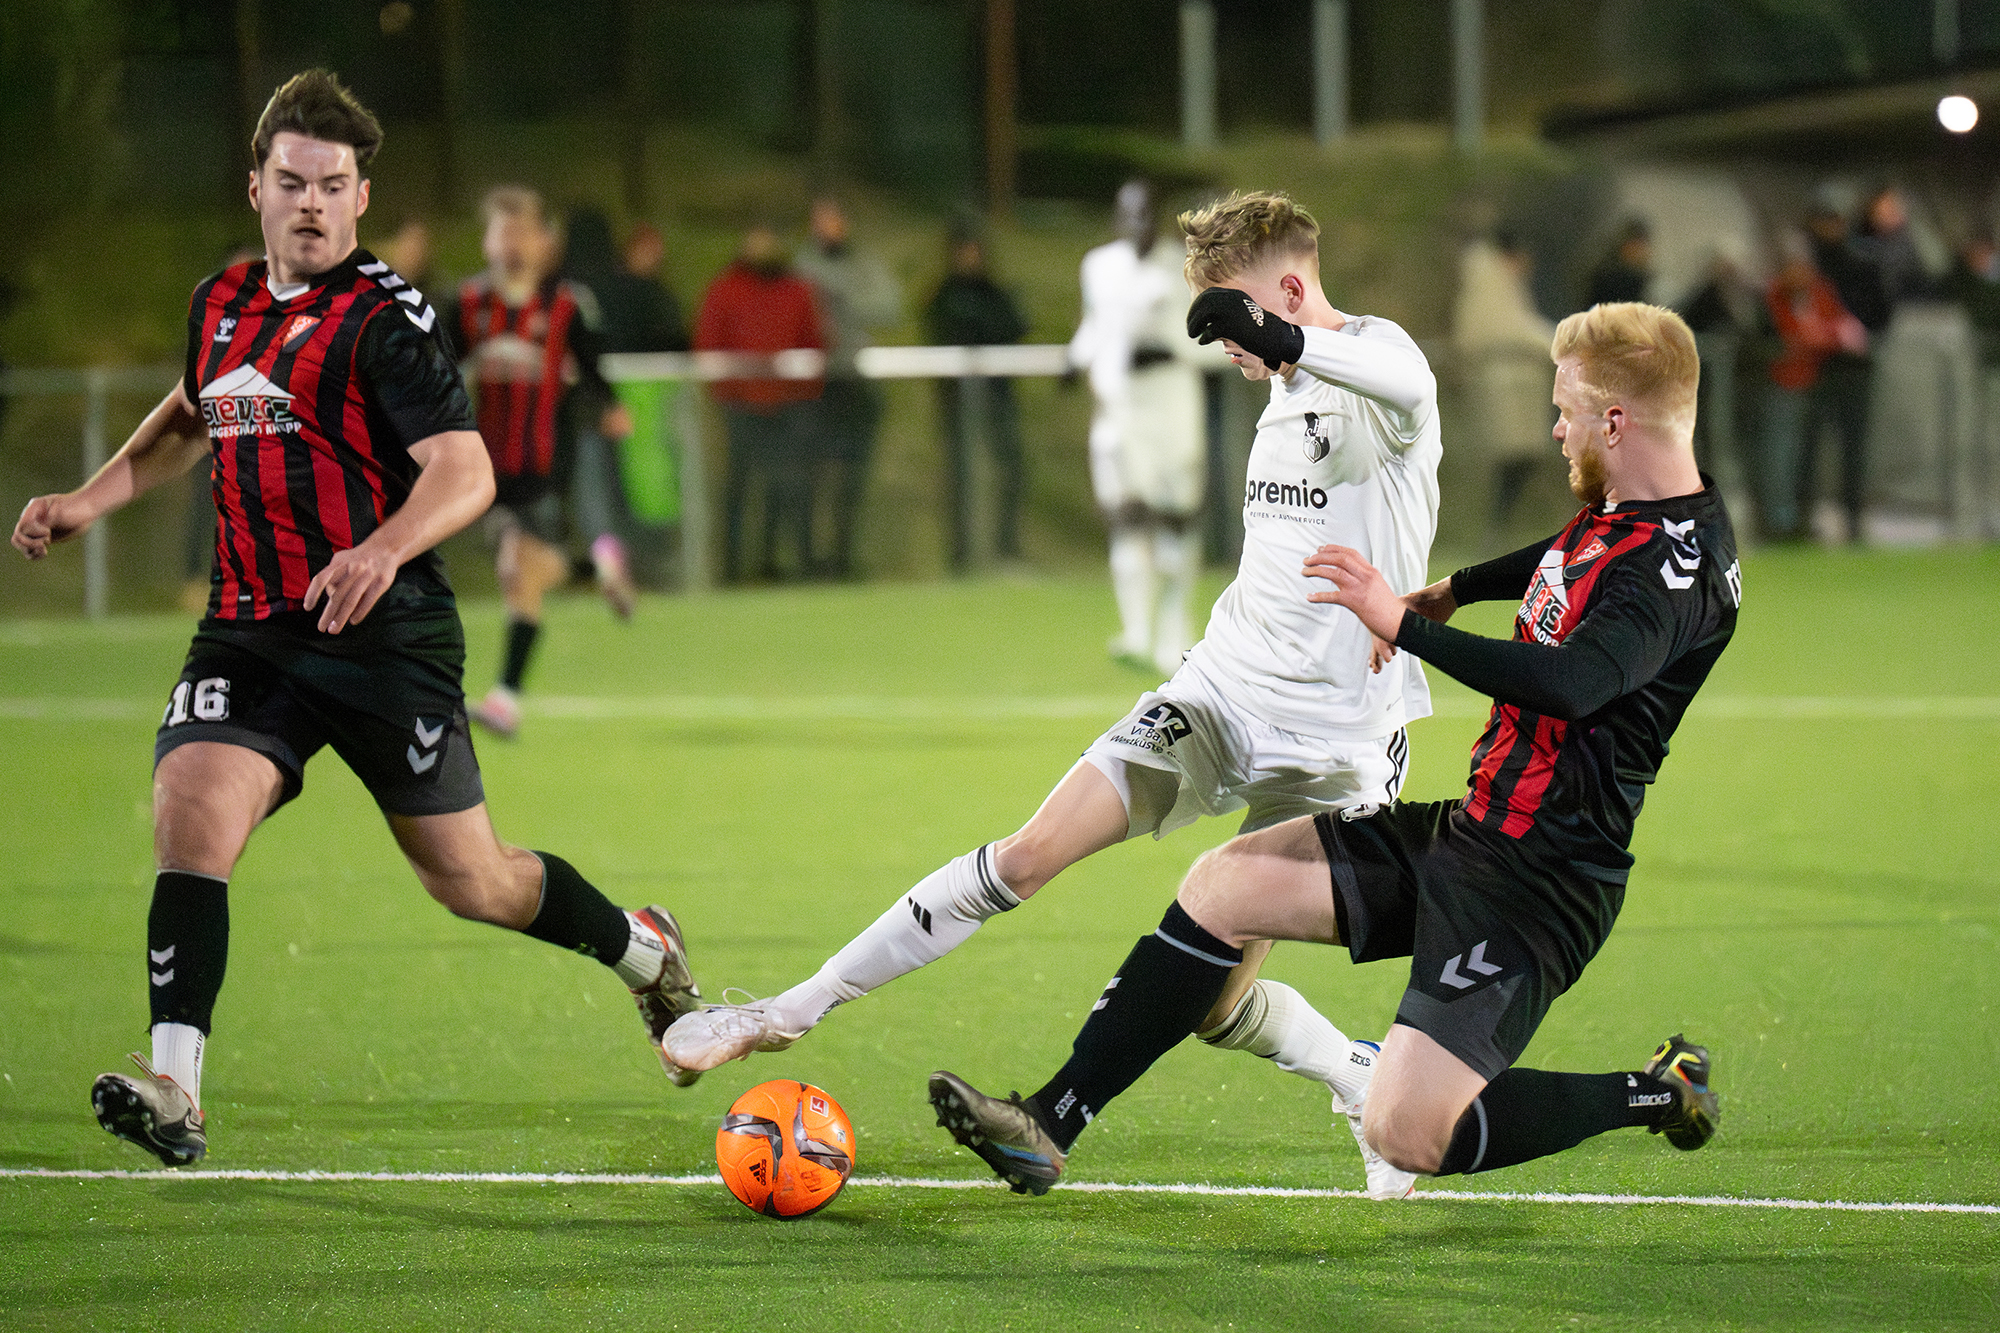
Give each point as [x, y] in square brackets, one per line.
[1815, 898]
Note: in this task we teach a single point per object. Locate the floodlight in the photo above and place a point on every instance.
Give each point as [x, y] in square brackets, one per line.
[1957, 114]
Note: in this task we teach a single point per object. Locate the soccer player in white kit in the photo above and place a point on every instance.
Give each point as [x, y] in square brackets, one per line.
[1276, 710]
[1146, 430]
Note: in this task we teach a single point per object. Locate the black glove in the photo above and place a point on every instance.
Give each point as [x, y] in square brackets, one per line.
[1224, 312]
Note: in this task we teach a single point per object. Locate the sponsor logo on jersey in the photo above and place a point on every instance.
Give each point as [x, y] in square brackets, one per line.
[1542, 610]
[299, 330]
[1303, 495]
[1677, 570]
[225, 329]
[244, 402]
[1155, 730]
[1318, 445]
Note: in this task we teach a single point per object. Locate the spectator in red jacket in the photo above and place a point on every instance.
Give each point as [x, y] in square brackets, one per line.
[1814, 327]
[758, 304]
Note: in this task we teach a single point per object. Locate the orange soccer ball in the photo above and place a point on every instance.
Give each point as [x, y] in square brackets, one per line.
[785, 1149]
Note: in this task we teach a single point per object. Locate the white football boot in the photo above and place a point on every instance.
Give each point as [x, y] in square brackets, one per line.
[713, 1036]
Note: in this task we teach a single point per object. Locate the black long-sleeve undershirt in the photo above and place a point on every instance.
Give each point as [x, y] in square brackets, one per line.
[1624, 641]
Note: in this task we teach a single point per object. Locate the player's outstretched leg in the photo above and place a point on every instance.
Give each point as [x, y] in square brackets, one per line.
[465, 866]
[927, 923]
[1163, 988]
[1084, 814]
[1524, 1114]
[1275, 1022]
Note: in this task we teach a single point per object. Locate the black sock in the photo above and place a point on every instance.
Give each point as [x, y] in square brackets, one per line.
[1530, 1113]
[187, 946]
[576, 916]
[1166, 985]
[520, 643]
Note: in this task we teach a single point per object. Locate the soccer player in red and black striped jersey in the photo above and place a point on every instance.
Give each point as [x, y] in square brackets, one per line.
[1500, 898]
[530, 341]
[341, 450]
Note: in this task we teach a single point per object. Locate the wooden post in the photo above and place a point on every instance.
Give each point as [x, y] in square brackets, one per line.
[1002, 86]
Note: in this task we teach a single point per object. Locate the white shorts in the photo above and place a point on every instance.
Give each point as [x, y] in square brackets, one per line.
[1225, 759]
[1152, 449]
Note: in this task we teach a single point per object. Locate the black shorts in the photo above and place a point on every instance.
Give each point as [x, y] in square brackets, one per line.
[530, 505]
[1489, 948]
[386, 694]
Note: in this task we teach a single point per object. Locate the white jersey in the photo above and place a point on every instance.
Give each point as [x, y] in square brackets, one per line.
[1146, 436]
[1347, 452]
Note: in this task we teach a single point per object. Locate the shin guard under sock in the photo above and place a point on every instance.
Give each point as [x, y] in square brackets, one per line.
[1166, 985]
[1530, 1113]
[574, 915]
[521, 635]
[187, 946]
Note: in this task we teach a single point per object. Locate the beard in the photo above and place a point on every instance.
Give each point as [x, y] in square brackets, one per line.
[1586, 475]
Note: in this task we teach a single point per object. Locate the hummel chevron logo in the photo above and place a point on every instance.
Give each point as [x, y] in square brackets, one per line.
[428, 738]
[162, 978]
[421, 763]
[423, 321]
[1673, 580]
[1475, 961]
[372, 269]
[1105, 998]
[165, 955]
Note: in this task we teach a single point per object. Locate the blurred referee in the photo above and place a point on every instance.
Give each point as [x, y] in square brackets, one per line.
[342, 450]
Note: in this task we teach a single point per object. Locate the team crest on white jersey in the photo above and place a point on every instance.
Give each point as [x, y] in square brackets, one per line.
[1318, 443]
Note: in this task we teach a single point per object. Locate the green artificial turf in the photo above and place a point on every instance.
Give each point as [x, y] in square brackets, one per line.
[1815, 898]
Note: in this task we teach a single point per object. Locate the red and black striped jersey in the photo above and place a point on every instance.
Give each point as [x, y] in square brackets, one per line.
[523, 361]
[1622, 616]
[312, 397]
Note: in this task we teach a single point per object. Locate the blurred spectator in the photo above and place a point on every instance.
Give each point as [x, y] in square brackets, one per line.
[1975, 285]
[1884, 240]
[1626, 272]
[1724, 310]
[758, 304]
[1817, 331]
[408, 251]
[1505, 341]
[1846, 377]
[640, 314]
[970, 310]
[857, 293]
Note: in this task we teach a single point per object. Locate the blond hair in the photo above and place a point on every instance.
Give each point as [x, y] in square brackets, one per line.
[515, 201]
[1633, 354]
[1240, 233]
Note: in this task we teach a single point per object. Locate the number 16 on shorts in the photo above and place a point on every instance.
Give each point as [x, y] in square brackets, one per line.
[202, 700]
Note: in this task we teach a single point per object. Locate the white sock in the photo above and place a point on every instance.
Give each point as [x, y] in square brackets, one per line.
[1132, 583]
[177, 1049]
[927, 923]
[1176, 558]
[645, 956]
[1275, 1021]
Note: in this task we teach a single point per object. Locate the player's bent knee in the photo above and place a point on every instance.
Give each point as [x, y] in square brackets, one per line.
[1408, 1141]
[1211, 893]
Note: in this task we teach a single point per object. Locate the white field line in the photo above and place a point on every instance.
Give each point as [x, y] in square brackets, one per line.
[931, 1183]
[793, 709]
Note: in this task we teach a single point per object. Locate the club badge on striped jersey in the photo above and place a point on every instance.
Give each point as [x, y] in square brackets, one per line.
[299, 330]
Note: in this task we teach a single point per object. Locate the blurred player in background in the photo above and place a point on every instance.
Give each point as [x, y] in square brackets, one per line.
[858, 296]
[343, 452]
[530, 341]
[1147, 459]
[1276, 709]
[1501, 898]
